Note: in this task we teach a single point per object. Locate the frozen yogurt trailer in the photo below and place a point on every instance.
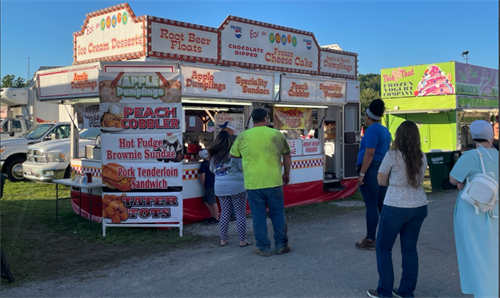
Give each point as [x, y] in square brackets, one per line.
[160, 90]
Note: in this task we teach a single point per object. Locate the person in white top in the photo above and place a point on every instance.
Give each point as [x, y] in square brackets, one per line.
[403, 212]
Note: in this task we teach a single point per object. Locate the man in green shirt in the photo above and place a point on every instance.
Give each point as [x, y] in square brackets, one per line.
[261, 149]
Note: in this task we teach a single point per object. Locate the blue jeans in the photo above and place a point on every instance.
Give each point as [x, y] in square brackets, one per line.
[406, 222]
[258, 200]
[373, 195]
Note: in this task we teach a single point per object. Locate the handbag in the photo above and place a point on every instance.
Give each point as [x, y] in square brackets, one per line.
[482, 191]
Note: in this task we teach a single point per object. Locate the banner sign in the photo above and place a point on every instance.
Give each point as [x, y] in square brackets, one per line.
[130, 87]
[87, 116]
[476, 80]
[68, 82]
[206, 82]
[311, 146]
[292, 118]
[337, 64]
[113, 33]
[172, 39]
[235, 120]
[295, 147]
[254, 44]
[295, 89]
[128, 208]
[136, 176]
[419, 80]
[141, 148]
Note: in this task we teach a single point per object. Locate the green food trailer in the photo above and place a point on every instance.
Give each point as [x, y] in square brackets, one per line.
[443, 99]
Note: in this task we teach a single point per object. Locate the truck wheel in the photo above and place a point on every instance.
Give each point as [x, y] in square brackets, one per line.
[14, 170]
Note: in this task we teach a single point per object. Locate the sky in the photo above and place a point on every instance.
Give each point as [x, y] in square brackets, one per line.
[385, 34]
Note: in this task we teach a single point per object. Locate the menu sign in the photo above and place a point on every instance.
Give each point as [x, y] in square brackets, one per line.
[338, 64]
[68, 82]
[208, 82]
[140, 148]
[109, 34]
[295, 147]
[311, 146]
[295, 89]
[142, 207]
[476, 80]
[235, 120]
[171, 39]
[292, 118]
[247, 43]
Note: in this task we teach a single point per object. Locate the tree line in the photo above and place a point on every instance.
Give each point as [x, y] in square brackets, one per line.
[369, 86]
[12, 81]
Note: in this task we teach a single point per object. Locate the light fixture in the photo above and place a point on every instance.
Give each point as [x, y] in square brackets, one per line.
[206, 108]
[300, 106]
[217, 102]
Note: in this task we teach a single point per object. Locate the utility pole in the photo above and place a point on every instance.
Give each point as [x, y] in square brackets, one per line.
[28, 79]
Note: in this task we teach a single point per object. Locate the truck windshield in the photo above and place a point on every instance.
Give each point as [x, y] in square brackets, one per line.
[38, 131]
[90, 133]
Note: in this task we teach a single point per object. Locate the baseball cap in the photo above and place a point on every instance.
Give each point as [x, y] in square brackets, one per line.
[227, 124]
[481, 129]
[260, 112]
[203, 153]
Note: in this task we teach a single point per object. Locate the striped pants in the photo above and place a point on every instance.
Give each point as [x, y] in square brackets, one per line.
[239, 202]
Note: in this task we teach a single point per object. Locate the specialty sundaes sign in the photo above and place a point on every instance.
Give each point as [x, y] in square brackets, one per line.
[174, 40]
[230, 84]
[247, 43]
[109, 34]
[305, 90]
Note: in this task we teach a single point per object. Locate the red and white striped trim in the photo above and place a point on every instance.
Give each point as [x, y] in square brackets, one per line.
[307, 163]
[190, 174]
[96, 172]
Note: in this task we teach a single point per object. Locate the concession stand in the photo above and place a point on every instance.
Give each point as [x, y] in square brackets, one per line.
[165, 87]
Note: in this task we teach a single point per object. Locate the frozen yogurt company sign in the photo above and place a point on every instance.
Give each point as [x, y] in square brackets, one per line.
[113, 34]
[476, 80]
[306, 90]
[183, 41]
[255, 44]
[229, 84]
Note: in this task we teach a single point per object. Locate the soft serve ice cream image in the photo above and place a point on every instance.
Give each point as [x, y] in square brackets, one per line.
[434, 82]
[173, 146]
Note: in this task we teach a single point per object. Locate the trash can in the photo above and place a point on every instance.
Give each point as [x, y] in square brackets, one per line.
[440, 165]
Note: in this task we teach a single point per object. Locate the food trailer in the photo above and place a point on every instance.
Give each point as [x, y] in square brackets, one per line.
[442, 98]
[160, 88]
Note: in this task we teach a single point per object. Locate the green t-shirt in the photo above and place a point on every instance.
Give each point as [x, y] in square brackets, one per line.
[261, 149]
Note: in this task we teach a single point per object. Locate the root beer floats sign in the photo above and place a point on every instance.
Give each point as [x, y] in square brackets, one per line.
[115, 33]
[141, 147]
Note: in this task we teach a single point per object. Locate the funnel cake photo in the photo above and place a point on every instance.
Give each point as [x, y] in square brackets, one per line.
[435, 82]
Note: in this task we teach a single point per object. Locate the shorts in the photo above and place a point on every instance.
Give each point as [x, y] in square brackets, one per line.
[209, 196]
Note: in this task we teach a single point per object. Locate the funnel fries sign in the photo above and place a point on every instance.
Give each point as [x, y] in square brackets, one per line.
[292, 118]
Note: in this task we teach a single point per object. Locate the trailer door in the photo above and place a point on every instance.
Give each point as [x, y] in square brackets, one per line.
[350, 139]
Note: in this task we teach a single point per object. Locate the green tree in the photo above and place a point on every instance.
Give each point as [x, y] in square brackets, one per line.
[12, 81]
[369, 85]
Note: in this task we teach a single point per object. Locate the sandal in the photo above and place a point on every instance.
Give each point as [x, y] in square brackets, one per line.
[246, 244]
[224, 243]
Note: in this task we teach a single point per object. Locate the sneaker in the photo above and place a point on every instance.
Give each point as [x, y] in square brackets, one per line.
[366, 244]
[372, 293]
[396, 294]
[209, 221]
[285, 250]
[261, 253]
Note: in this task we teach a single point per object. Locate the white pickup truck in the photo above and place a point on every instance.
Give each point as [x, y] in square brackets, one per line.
[13, 151]
[51, 160]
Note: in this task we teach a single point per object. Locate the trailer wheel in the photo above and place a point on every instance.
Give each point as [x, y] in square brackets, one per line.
[14, 170]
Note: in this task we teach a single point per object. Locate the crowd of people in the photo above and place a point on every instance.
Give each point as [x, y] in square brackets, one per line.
[391, 174]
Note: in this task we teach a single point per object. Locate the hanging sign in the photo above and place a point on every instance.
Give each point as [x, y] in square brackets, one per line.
[128, 208]
[332, 63]
[295, 89]
[292, 118]
[206, 82]
[232, 120]
[253, 44]
[68, 82]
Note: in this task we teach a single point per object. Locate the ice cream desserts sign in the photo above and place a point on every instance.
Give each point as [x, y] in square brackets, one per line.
[111, 32]
[421, 80]
[476, 80]
[250, 43]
